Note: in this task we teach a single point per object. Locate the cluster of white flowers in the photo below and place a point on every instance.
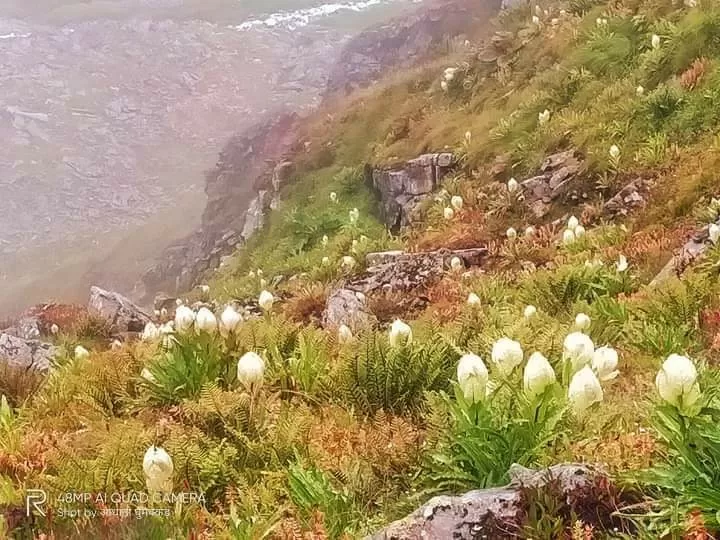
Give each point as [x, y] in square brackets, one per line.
[588, 368]
[573, 231]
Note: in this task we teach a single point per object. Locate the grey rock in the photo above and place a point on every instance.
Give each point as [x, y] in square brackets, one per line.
[558, 174]
[281, 174]
[255, 215]
[17, 352]
[121, 314]
[632, 196]
[344, 307]
[381, 257]
[500, 512]
[401, 188]
[688, 253]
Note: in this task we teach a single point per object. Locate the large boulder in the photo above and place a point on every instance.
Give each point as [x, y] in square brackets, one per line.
[121, 314]
[28, 354]
[501, 512]
[556, 180]
[345, 306]
[401, 188]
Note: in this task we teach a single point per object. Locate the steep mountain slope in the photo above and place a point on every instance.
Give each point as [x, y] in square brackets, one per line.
[502, 260]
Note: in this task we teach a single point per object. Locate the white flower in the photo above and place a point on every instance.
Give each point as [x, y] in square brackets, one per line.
[325, 240]
[536, 20]
[251, 274]
[457, 202]
[360, 296]
[266, 300]
[511, 233]
[584, 390]
[512, 185]
[158, 469]
[449, 74]
[259, 272]
[579, 231]
[538, 10]
[544, 117]
[506, 355]
[204, 291]
[164, 313]
[363, 239]
[472, 375]
[538, 374]
[263, 283]
[530, 232]
[448, 213]
[184, 318]
[468, 137]
[639, 90]
[578, 349]
[148, 376]
[444, 86]
[573, 222]
[81, 353]
[568, 237]
[582, 321]
[344, 334]
[676, 381]
[54, 329]
[354, 215]
[456, 264]
[605, 362]
[655, 41]
[325, 261]
[156, 313]
[400, 333]
[530, 312]
[714, 232]
[116, 345]
[473, 299]
[333, 197]
[251, 370]
[614, 151]
[179, 302]
[205, 321]
[150, 332]
[622, 263]
[347, 262]
[230, 319]
[354, 246]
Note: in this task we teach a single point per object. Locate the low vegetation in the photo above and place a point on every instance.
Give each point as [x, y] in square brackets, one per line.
[559, 349]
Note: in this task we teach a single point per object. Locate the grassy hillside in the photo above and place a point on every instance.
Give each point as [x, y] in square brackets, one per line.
[340, 434]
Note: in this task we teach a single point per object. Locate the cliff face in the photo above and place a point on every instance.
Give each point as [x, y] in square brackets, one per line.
[244, 183]
[406, 42]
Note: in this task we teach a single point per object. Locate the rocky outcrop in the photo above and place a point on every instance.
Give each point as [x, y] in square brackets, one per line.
[500, 513]
[251, 170]
[401, 188]
[404, 42]
[347, 307]
[633, 196]
[401, 271]
[556, 180]
[27, 354]
[119, 312]
[685, 256]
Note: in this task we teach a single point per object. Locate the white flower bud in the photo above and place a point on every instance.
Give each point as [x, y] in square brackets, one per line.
[578, 349]
[456, 264]
[354, 216]
[530, 232]
[530, 312]
[512, 185]
[614, 151]
[448, 213]
[266, 300]
[456, 202]
[158, 469]
[511, 233]
[538, 374]
[568, 237]
[579, 231]
[230, 319]
[584, 390]
[506, 355]
[472, 375]
[604, 363]
[473, 299]
[54, 329]
[205, 321]
[150, 332]
[400, 333]
[582, 321]
[622, 264]
[251, 370]
[345, 335]
[676, 382]
[572, 223]
[81, 353]
[714, 232]
[184, 318]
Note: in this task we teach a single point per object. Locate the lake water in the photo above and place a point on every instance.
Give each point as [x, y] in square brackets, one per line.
[111, 111]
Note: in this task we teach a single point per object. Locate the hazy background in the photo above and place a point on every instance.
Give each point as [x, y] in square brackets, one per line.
[110, 112]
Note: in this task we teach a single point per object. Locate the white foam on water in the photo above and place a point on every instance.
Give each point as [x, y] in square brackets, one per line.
[13, 35]
[302, 17]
